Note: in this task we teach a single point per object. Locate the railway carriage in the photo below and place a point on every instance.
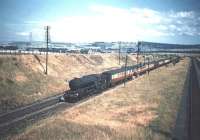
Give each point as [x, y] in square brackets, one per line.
[119, 75]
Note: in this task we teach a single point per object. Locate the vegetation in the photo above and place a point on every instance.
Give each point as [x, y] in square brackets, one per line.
[22, 78]
[145, 108]
[20, 85]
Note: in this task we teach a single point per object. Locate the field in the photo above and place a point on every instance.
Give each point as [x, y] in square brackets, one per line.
[145, 108]
[22, 78]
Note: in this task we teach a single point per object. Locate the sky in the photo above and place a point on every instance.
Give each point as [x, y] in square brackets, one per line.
[167, 21]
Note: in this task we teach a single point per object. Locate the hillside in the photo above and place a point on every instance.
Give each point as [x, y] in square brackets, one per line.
[22, 78]
[146, 108]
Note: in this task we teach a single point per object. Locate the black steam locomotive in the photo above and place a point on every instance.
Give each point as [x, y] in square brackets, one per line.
[96, 83]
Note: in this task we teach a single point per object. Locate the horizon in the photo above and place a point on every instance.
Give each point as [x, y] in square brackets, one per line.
[172, 22]
[165, 43]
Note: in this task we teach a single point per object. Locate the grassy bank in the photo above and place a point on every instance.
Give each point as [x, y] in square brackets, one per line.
[145, 108]
[22, 78]
[19, 85]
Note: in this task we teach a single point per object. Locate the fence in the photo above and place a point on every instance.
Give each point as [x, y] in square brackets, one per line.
[22, 52]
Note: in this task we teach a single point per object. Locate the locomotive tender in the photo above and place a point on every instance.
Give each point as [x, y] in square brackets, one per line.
[95, 83]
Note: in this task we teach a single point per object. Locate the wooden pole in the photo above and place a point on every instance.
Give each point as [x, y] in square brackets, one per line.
[138, 49]
[47, 48]
[119, 52]
[148, 65]
[125, 69]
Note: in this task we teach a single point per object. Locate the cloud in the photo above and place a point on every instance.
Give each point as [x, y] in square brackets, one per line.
[37, 34]
[182, 14]
[108, 10]
[109, 23]
[22, 33]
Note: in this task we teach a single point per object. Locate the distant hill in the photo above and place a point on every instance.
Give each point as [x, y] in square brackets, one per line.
[148, 46]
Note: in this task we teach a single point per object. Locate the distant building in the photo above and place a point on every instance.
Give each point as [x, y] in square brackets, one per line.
[102, 45]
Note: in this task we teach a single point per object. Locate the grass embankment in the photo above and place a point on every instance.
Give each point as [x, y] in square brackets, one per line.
[145, 109]
[22, 78]
[20, 85]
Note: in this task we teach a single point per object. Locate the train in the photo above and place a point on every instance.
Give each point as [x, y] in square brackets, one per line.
[96, 83]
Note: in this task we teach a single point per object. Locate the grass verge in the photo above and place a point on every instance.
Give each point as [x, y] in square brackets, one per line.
[145, 109]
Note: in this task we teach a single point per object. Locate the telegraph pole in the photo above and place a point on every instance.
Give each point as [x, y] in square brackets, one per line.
[144, 59]
[148, 65]
[47, 47]
[125, 68]
[119, 52]
[138, 50]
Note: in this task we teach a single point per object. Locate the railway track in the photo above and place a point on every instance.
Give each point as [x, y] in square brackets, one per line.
[194, 101]
[16, 119]
[27, 110]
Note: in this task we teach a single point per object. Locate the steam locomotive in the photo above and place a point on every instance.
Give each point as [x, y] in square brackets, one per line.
[96, 83]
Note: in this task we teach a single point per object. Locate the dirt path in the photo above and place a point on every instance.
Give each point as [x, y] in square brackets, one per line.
[188, 119]
[194, 112]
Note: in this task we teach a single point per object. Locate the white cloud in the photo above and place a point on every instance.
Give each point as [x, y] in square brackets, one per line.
[147, 16]
[22, 33]
[182, 14]
[162, 27]
[173, 27]
[108, 10]
[118, 24]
